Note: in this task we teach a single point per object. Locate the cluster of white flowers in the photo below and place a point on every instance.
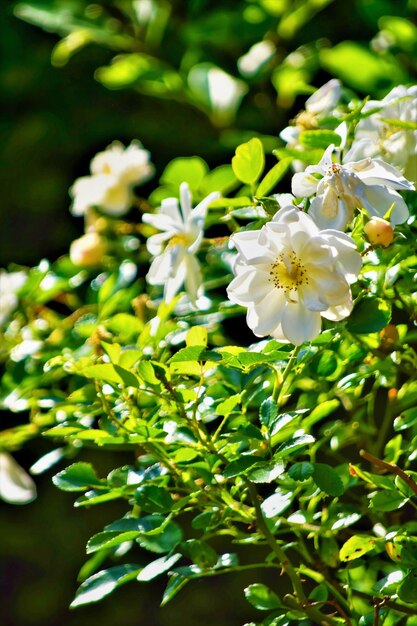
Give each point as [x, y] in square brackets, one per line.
[298, 268]
[385, 132]
[113, 174]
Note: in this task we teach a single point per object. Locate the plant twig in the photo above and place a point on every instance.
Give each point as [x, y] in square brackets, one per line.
[390, 467]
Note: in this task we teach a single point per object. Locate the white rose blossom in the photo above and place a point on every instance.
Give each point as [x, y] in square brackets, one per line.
[175, 248]
[10, 283]
[318, 106]
[113, 174]
[340, 189]
[16, 486]
[376, 136]
[290, 273]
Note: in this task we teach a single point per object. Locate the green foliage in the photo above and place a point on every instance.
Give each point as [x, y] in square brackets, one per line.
[254, 446]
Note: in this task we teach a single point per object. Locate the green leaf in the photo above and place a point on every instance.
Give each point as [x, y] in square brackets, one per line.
[153, 498]
[158, 567]
[406, 420]
[310, 157]
[277, 503]
[195, 353]
[109, 540]
[146, 373]
[191, 170]
[164, 541]
[221, 179]
[269, 412]
[201, 553]
[357, 546]
[301, 471]
[319, 138]
[77, 477]
[103, 583]
[266, 472]
[111, 373]
[175, 583]
[272, 178]
[387, 501]
[293, 444]
[196, 336]
[226, 407]
[369, 316]
[344, 59]
[262, 598]
[240, 466]
[407, 589]
[327, 479]
[239, 201]
[325, 363]
[407, 125]
[148, 74]
[249, 160]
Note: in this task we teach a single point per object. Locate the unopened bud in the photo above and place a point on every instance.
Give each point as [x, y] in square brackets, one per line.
[379, 232]
[88, 250]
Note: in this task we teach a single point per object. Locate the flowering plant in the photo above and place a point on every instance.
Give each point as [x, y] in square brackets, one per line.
[294, 443]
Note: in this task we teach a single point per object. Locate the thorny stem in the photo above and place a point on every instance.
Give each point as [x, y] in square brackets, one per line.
[396, 606]
[301, 601]
[390, 467]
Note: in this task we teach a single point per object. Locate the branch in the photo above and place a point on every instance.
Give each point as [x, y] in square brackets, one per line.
[390, 467]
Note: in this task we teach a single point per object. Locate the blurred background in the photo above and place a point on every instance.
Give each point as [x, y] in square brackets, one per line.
[185, 77]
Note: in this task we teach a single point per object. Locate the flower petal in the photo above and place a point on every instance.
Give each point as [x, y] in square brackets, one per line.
[16, 486]
[299, 324]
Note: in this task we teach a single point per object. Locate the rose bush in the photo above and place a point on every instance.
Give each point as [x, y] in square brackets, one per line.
[300, 457]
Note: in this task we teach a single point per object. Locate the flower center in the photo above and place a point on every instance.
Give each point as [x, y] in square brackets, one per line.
[335, 168]
[288, 273]
[180, 239]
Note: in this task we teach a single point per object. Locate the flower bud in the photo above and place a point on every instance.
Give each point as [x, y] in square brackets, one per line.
[379, 232]
[88, 250]
[389, 336]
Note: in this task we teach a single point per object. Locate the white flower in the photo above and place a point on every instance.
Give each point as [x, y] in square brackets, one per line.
[340, 189]
[114, 172]
[175, 247]
[375, 136]
[290, 273]
[10, 283]
[129, 165]
[16, 486]
[318, 106]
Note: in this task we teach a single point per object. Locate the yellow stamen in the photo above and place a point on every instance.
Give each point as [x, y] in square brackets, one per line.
[288, 273]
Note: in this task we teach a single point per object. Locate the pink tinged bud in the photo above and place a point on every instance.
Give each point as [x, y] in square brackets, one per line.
[88, 250]
[379, 232]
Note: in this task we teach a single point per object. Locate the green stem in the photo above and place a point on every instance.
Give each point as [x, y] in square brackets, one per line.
[282, 377]
[301, 601]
